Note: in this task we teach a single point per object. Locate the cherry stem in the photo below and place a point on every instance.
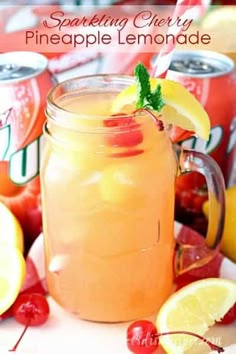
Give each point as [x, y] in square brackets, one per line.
[158, 121]
[19, 340]
[210, 344]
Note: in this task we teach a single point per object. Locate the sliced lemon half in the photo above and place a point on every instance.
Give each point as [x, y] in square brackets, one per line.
[12, 275]
[194, 308]
[10, 230]
[181, 107]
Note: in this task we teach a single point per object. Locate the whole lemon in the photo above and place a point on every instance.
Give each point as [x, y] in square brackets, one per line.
[228, 245]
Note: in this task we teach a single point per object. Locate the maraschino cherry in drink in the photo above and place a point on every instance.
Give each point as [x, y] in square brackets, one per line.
[24, 84]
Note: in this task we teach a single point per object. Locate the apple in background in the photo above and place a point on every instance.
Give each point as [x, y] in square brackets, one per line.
[33, 227]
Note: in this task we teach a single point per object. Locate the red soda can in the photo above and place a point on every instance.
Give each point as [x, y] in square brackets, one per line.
[24, 84]
[209, 76]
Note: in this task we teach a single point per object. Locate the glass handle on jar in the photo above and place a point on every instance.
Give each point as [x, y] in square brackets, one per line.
[188, 256]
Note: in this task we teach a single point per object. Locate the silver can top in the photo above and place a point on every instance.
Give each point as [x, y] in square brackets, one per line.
[18, 66]
[201, 64]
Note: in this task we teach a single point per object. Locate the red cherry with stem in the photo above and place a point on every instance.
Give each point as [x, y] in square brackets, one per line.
[128, 132]
[30, 310]
[229, 317]
[143, 338]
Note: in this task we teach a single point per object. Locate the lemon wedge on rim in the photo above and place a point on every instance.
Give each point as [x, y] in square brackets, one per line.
[194, 308]
[12, 275]
[181, 107]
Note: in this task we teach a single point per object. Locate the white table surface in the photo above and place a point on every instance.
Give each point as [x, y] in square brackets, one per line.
[65, 334]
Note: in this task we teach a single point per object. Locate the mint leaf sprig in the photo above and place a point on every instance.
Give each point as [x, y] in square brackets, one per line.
[147, 98]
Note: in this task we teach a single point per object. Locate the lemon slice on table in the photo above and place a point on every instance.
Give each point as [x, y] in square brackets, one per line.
[181, 107]
[194, 308]
[12, 275]
[10, 230]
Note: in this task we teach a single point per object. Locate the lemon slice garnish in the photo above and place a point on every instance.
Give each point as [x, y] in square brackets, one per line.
[10, 230]
[12, 275]
[181, 107]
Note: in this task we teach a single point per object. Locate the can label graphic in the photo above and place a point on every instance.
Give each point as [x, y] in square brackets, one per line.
[24, 84]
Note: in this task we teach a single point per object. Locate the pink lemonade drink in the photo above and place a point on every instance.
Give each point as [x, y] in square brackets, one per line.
[108, 186]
